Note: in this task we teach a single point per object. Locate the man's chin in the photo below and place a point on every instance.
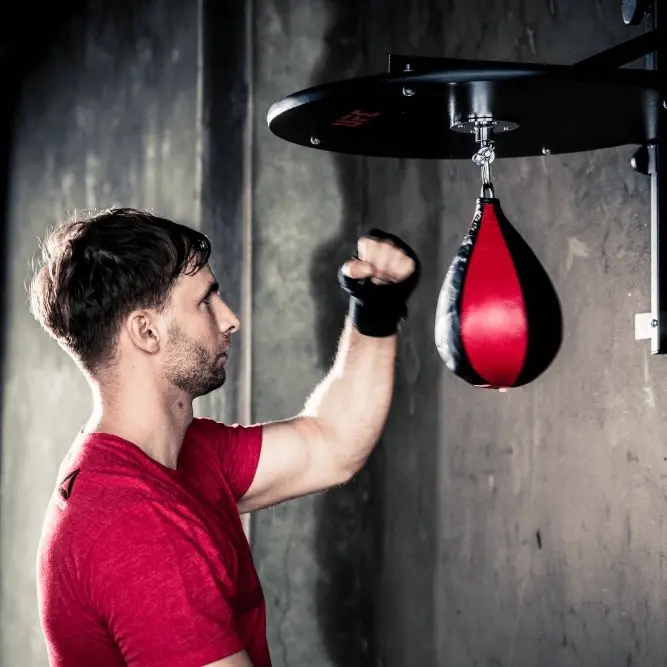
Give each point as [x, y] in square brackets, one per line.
[213, 385]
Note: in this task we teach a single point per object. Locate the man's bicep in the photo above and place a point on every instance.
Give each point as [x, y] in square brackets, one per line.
[238, 660]
[296, 459]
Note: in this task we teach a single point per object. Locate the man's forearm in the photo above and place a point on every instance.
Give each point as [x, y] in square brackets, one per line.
[352, 403]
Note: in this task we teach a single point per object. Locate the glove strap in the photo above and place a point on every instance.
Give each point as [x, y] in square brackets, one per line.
[375, 322]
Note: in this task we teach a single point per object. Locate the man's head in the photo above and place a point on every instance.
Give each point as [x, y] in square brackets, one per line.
[126, 287]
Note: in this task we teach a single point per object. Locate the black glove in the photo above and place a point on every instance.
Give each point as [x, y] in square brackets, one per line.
[376, 310]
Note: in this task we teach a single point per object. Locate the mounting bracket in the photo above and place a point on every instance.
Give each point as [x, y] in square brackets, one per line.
[651, 160]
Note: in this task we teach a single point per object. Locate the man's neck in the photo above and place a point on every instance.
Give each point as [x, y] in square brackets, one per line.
[153, 422]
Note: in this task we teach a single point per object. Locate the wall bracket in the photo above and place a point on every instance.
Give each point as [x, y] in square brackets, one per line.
[651, 160]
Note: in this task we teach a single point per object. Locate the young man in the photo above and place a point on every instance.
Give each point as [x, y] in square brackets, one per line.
[143, 560]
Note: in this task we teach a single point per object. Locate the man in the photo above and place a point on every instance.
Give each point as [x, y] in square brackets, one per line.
[142, 559]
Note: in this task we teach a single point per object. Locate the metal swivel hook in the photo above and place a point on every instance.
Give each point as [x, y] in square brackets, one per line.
[485, 156]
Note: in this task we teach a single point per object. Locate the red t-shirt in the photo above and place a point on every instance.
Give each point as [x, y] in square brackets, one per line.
[145, 566]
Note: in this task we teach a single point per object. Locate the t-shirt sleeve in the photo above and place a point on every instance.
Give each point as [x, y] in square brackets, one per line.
[163, 590]
[238, 449]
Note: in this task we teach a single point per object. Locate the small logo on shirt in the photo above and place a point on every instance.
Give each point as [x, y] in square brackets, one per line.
[65, 489]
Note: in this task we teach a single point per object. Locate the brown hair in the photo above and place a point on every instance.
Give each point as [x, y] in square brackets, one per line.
[98, 268]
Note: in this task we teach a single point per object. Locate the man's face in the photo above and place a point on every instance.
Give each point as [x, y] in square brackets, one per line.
[199, 329]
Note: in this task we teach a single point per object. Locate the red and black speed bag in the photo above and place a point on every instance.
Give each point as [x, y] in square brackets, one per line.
[498, 322]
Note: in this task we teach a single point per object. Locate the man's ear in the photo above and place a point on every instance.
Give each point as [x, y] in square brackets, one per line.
[143, 329]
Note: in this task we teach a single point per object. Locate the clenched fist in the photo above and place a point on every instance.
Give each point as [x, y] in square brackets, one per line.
[381, 261]
[379, 279]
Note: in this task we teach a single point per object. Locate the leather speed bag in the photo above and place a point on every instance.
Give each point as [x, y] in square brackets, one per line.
[498, 322]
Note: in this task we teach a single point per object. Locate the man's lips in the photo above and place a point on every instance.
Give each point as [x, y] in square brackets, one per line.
[224, 354]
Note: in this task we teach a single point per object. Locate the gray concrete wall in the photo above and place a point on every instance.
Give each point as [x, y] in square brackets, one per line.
[110, 118]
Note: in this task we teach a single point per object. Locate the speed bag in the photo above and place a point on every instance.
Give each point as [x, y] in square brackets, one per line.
[498, 321]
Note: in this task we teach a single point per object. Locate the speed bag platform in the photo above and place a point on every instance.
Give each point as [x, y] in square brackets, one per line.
[498, 322]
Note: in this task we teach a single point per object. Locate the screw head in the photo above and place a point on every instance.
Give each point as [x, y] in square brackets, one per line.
[408, 92]
[315, 141]
[546, 151]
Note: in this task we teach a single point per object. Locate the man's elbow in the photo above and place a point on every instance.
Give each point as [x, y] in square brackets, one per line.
[349, 463]
[340, 456]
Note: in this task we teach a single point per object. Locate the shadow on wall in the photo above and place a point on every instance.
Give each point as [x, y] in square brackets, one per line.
[360, 603]
[348, 517]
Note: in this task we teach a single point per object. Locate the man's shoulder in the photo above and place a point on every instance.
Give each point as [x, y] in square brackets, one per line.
[222, 433]
[205, 426]
[204, 438]
[209, 426]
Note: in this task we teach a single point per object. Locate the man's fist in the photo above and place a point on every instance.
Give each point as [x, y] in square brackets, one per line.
[379, 279]
[381, 261]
